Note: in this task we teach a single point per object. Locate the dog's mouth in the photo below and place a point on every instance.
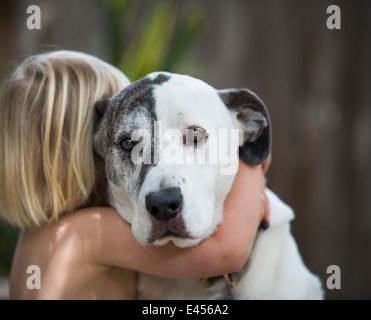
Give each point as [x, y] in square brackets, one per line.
[168, 234]
[174, 228]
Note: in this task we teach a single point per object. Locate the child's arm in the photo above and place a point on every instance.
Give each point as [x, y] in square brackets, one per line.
[227, 250]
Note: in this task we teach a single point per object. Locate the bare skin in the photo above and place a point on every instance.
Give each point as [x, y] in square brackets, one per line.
[92, 254]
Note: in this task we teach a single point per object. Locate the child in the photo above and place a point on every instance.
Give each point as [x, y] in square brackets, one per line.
[52, 187]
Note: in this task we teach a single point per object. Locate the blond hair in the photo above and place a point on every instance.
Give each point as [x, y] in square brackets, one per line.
[47, 165]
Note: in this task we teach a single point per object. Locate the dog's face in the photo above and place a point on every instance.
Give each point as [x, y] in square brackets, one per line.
[171, 152]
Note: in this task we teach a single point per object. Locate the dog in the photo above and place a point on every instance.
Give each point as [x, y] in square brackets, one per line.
[145, 132]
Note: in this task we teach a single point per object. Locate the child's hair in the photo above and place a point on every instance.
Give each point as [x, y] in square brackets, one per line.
[46, 134]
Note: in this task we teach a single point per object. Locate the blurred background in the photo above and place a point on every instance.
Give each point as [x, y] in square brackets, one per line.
[315, 82]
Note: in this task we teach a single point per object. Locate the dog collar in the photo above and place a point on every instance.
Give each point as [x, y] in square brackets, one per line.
[210, 281]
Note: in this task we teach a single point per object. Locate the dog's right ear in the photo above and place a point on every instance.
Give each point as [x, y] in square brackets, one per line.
[100, 109]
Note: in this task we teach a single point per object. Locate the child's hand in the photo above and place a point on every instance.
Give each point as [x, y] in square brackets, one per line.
[265, 210]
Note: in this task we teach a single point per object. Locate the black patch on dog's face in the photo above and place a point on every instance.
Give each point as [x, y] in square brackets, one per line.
[160, 79]
[132, 108]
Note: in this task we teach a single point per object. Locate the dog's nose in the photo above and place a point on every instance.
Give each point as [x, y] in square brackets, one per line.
[165, 204]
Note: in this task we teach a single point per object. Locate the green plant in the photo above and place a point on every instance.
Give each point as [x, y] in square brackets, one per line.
[159, 36]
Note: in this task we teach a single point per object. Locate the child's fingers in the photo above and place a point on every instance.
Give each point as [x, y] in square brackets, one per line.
[264, 207]
[266, 164]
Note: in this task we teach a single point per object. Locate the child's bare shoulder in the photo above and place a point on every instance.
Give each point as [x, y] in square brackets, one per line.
[85, 227]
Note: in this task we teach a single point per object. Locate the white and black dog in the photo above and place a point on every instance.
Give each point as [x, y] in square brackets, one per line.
[148, 134]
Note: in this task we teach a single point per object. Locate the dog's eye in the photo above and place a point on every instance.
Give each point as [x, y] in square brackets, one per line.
[194, 137]
[127, 144]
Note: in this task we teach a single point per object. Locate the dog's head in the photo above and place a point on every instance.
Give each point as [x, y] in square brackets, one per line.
[171, 152]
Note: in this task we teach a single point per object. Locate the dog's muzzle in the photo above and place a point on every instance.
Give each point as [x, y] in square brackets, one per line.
[165, 207]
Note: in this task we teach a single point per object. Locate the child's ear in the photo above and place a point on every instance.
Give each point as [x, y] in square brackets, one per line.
[100, 109]
[253, 120]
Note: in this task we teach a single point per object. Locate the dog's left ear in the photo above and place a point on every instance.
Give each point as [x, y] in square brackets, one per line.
[253, 119]
[100, 109]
